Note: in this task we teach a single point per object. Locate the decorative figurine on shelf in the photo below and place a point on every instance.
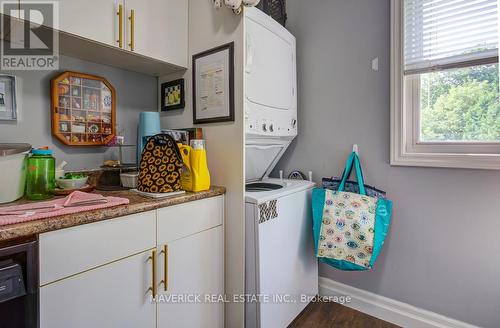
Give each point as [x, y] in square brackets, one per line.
[236, 5]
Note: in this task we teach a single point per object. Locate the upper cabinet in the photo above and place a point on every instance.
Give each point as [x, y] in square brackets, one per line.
[148, 36]
[158, 29]
[96, 20]
[155, 28]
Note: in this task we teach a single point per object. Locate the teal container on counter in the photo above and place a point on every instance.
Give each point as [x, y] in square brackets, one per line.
[41, 177]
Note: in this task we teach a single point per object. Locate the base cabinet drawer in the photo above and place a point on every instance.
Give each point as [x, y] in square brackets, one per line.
[70, 251]
[182, 220]
[114, 295]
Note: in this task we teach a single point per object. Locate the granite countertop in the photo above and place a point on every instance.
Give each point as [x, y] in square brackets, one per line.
[137, 204]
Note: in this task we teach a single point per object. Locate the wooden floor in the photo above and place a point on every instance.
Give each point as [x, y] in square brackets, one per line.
[334, 315]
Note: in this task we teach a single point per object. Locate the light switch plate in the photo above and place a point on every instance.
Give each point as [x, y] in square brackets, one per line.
[375, 64]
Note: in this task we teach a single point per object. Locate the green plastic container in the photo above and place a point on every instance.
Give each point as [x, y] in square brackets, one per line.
[41, 177]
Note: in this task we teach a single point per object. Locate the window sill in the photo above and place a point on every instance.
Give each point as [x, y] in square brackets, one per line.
[444, 160]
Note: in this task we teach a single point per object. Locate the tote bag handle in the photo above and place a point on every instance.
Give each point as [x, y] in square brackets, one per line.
[353, 159]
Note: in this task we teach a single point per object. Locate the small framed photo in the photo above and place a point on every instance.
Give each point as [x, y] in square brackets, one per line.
[8, 104]
[213, 85]
[178, 135]
[172, 95]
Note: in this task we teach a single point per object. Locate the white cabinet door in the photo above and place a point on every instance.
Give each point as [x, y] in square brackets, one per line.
[114, 295]
[92, 19]
[195, 267]
[160, 29]
[9, 7]
[7, 10]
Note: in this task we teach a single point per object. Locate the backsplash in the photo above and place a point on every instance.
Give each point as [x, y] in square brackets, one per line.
[135, 93]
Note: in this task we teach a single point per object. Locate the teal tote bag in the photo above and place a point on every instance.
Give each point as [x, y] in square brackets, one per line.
[349, 228]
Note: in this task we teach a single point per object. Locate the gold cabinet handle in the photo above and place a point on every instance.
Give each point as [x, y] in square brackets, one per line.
[120, 26]
[165, 267]
[132, 30]
[153, 288]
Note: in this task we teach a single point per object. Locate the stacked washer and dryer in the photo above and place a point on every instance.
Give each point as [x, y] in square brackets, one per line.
[281, 267]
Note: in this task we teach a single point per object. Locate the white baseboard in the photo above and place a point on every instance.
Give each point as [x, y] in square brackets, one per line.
[387, 309]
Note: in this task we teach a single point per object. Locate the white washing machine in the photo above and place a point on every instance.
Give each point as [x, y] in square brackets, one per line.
[280, 265]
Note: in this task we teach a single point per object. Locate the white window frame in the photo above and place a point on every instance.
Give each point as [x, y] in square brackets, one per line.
[406, 148]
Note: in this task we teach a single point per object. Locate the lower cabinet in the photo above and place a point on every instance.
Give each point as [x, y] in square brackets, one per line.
[195, 281]
[114, 295]
[185, 272]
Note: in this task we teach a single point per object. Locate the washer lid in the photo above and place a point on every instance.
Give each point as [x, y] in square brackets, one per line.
[289, 187]
[7, 149]
[262, 155]
[262, 186]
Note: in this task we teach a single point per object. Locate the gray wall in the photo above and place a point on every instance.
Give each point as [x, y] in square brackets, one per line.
[442, 253]
[135, 93]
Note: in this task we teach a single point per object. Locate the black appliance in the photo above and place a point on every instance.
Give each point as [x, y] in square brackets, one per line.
[19, 284]
[274, 8]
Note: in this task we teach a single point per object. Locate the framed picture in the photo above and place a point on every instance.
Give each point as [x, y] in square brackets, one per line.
[8, 102]
[178, 135]
[213, 85]
[172, 95]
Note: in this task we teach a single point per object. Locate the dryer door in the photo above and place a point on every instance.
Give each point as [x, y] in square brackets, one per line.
[270, 64]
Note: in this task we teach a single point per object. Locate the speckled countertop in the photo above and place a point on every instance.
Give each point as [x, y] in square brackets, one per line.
[137, 204]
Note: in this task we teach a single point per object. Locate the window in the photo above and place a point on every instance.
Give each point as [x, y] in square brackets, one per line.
[445, 109]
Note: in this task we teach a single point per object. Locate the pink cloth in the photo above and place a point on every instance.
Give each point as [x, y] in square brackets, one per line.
[74, 203]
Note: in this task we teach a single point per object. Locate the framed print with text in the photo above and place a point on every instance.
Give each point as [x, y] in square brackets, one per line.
[213, 85]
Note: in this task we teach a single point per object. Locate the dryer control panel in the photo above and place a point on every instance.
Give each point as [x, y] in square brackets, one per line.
[268, 126]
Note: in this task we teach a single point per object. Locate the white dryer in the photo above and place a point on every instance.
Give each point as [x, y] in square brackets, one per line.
[280, 264]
